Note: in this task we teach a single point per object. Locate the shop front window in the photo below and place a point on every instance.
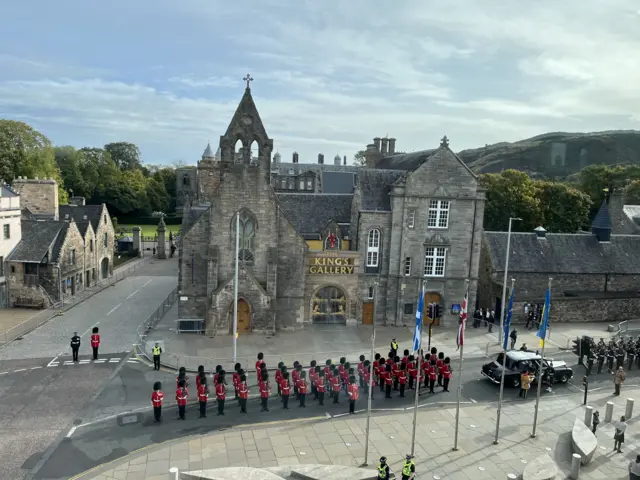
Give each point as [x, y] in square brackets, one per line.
[329, 306]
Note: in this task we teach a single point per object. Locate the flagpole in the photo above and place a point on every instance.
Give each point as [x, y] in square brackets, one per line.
[415, 403]
[504, 366]
[455, 439]
[545, 314]
[370, 388]
[235, 290]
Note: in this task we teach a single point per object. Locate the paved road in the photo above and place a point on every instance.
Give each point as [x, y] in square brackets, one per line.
[117, 311]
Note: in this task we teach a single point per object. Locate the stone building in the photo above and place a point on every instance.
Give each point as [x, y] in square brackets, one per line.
[61, 251]
[596, 276]
[10, 213]
[317, 257]
[625, 219]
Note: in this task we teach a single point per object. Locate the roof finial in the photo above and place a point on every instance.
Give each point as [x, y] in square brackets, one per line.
[444, 142]
[248, 78]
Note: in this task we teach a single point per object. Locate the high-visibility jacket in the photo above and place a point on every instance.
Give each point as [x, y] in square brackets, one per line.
[157, 351]
[203, 394]
[383, 472]
[353, 392]
[156, 398]
[406, 468]
[243, 390]
[394, 346]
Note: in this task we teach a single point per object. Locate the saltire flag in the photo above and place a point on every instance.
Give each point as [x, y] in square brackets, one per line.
[463, 321]
[417, 336]
[544, 324]
[507, 322]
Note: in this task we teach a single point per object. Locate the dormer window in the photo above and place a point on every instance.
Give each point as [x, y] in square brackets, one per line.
[291, 171]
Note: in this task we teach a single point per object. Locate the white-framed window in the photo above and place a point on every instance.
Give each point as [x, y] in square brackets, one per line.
[373, 248]
[434, 261]
[309, 185]
[411, 218]
[370, 293]
[301, 184]
[283, 183]
[438, 214]
[407, 266]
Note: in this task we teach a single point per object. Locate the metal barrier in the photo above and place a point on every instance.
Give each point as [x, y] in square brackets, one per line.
[189, 326]
[69, 302]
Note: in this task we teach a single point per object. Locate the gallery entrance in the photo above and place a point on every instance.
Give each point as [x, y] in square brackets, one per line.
[244, 316]
[367, 313]
[430, 297]
[328, 305]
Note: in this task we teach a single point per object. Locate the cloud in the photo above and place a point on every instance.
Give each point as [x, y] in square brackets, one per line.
[330, 77]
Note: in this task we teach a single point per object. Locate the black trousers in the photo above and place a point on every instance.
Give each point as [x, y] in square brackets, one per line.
[387, 392]
[243, 405]
[181, 411]
[314, 390]
[303, 398]
[203, 409]
[279, 392]
[402, 385]
[285, 401]
[381, 385]
[220, 407]
[395, 384]
[336, 395]
[440, 379]
[352, 406]
[410, 382]
[432, 384]
[361, 382]
[95, 353]
[321, 398]
[157, 413]
[74, 351]
[445, 384]
[593, 429]
[156, 362]
[617, 389]
[264, 400]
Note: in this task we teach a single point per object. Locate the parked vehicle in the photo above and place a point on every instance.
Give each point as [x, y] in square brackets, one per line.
[519, 362]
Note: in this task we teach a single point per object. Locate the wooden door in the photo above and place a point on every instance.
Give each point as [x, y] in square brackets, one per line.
[429, 298]
[367, 313]
[244, 317]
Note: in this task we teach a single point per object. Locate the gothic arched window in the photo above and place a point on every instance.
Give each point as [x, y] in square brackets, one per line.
[247, 238]
[186, 181]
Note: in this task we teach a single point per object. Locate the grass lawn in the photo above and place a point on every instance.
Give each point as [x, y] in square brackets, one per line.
[121, 258]
[147, 230]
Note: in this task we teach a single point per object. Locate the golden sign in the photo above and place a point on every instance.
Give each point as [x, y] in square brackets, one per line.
[332, 266]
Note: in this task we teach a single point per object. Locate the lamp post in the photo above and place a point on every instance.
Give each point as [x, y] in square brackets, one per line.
[504, 281]
[370, 388]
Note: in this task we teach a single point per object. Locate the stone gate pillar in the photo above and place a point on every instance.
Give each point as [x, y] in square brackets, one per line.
[162, 241]
[137, 245]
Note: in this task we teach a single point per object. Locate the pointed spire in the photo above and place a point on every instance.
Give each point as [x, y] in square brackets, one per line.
[208, 153]
[602, 226]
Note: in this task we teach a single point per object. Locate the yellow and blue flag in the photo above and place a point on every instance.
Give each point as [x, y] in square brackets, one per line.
[544, 323]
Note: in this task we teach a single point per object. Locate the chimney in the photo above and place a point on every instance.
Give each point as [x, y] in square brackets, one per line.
[376, 142]
[344, 160]
[392, 146]
[385, 146]
[320, 159]
[541, 233]
[601, 226]
[79, 201]
[295, 157]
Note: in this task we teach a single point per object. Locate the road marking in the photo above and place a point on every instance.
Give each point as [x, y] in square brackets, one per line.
[148, 282]
[35, 368]
[114, 360]
[3, 373]
[90, 328]
[84, 362]
[73, 429]
[340, 415]
[133, 294]
[114, 309]
[132, 361]
[69, 362]
[52, 362]
[19, 370]
[100, 361]
[473, 401]
[327, 414]
[388, 409]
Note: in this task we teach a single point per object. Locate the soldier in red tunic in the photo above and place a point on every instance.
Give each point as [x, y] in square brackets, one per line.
[285, 390]
[221, 394]
[388, 381]
[156, 400]
[320, 387]
[203, 396]
[235, 378]
[327, 369]
[95, 342]
[395, 370]
[182, 377]
[278, 376]
[344, 377]
[433, 376]
[258, 362]
[312, 378]
[405, 358]
[446, 374]
[402, 378]
[243, 393]
[295, 376]
[440, 367]
[335, 385]
[199, 375]
[382, 372]
[361, 371]
[411, 366]
[353, 395]
[302, 388]
[182, 394]
[265, 390]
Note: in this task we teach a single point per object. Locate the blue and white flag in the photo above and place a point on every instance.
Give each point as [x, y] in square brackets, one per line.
[417, 336]
[544, 324]
[507, 322]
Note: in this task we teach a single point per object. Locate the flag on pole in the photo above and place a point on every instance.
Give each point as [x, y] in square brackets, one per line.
[463, 321]
[544, 323]
[417, 336]
[507, 322]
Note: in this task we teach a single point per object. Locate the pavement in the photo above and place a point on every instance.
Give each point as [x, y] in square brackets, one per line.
[340, 440]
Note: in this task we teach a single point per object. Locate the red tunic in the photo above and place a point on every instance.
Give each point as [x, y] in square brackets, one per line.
[302, 386]
[203, 395]
[156, 398]
[285, 387]
[295, 376]
[220, 392]
[236, 379]
[181, 396]
[335, 384]
[353, 392]
[433, 375]
[95, 340]
[278, 377]
[264, 389]
[320, 385]
[447, 372]
[243, 390]
[402, 377]
[388, 379]
[360, 368]
[197, 381]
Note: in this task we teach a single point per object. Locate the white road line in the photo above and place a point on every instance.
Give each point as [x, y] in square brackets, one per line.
[114, 309]
[100, 361]
[148, 282]
[133, 294]
[51, 363]
[69, 363]
[84, 362]
[388, 409]
[340, 415]
[473, 401]
[328, 415]
[73, 429]
[35, 368]
[110, 417]
[3, 373]
[19, 370]
[114, 360]
[90, 328]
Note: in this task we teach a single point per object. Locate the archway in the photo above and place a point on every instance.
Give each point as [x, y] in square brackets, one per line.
[329, 305]
[244, 316]
[104, 267]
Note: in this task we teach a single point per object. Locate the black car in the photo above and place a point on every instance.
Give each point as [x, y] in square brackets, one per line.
[519, 362]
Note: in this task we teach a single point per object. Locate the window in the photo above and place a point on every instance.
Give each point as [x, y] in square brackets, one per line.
[91, 245]
[291, 185]
[332, 242]
[1, 266]
[301, 184]
[373, 248]
[291, 171]
[247, 239]
[309, 185]
[411, 218]
[438, 214]
[105, 239]
[93, 274]
[72, 256]
[434, 261]
[370, 293]
[6, 228]
[408, 308]
[186, 180]
[407, 266]
[283, 183]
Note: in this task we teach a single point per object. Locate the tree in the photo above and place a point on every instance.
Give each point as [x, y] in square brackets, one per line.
[157, 196]
[125, 154]
[359, 158]
[563, 209]
[632, 193]
[594, 179]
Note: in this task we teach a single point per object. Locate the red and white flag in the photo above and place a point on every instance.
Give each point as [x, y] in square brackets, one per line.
[462, 323]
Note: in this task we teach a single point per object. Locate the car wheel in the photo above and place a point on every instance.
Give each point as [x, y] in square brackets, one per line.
[515, 383]
[564, 378]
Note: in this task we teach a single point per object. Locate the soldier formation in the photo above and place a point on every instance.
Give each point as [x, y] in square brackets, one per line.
[615, 354]
[391, 374]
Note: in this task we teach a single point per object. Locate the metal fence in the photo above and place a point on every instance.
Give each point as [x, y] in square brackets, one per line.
[69, 302]
[627, 327]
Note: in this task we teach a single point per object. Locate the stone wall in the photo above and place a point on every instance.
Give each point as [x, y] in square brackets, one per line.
[193, 274]
[72, 267]
[40, 196]
[565, 309]
[104, 249]
[92, 265]
[184, 191]
[17, 288]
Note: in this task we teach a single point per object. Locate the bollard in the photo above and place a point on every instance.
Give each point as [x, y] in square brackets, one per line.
[575, 466]
[588, 415]
[175, 473]
[608, 413]
[628, 411]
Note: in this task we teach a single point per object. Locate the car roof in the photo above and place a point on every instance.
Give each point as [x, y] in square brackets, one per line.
[520, 356]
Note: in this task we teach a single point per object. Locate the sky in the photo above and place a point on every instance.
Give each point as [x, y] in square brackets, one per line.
[329, 75]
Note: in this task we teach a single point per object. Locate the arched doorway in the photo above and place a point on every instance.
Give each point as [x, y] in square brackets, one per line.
[329, 305]
[104, 267]
[244, 316]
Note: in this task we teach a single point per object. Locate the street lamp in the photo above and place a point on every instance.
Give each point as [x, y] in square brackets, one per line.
[504, 282]
[370, 389]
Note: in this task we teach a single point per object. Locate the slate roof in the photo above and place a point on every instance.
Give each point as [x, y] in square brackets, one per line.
[565, 253]
[337, 182]
[633, 213]
[298, 168]
[405, 161]
[78, 212]
[6, 191]
[374, 185]
[193, 214]
[26, 214]
[57, 246]
[310, 213]
[37, 238]
[603, 219]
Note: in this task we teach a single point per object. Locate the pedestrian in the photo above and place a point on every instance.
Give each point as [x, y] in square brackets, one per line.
[302, 389]
[156, 400]
[203, 396]
[383, 469]
[514, 338]
[394, 347]
[335, 386]
[75, 346]
[320, 386]
[409, 468]
[243, 393]
[221, 394]
[433, 376]
[618, 436]
[446, 375]
[182, 394]
[595, 421]
[402, 378]
[285, 390]
[524, 381]
[492, 320]
[353, 395]
[265, 389]
[618, 379]
[634, 469]
[95, 342]
[156, 356]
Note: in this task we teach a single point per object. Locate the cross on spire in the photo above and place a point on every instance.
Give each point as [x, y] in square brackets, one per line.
[248, 78]
[444, 142]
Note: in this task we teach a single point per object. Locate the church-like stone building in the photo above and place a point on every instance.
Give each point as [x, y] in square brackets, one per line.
[308, 257]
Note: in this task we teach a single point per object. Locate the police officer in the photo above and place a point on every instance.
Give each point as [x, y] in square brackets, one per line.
[394, 347]
[383, 469]
[409, 468]
[156, 400]
[75, 346]
[156, 356]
